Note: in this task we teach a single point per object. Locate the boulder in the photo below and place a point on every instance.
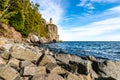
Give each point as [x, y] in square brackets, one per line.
[39, 77]
[55, 69]
[5, 55]
[7, 46]
[81, 67]
[32, 37]
[29, 70]
[72, 77]
[47, 59]
[2, 43]
[91, 58]
[26, 63]
[65, 58]
[54, 77]
[8, 73]
[14, 63]
[109, 69]
[85, 77]
[25, 54]
[2, 61]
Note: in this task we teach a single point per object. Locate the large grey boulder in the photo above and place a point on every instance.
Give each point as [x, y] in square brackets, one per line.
[109, 69]
[8, 73]
[25, 54]
[65, 58]
[47, 59]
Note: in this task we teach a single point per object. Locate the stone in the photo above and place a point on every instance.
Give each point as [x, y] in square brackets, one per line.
[26, 63]
[55, 69]
[5, 55]
[91, 58]
[81, 67]
[8, 73]
[2, 43]
[7, 46]
[2, 61]
[54, 77]
[25, 55]
[29, 70]
[72, 77]
[65, 58]
[33, 37]
[85, 77]
[47, 59]
[14, 63]
[109, 69]
[39, 77]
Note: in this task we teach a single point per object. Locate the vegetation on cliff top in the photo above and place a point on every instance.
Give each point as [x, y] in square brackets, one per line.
[23, 15]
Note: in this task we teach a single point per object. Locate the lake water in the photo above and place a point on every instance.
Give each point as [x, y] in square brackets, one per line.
[103, 50]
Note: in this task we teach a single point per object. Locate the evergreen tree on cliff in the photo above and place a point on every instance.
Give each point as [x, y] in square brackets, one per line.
[23, 15]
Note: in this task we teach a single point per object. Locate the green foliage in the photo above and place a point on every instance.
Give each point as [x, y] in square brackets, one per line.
[23, 15]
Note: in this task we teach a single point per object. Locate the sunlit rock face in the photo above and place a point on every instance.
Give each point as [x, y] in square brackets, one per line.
[52, 31]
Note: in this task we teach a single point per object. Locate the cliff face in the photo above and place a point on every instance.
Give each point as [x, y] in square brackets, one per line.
[52, 31]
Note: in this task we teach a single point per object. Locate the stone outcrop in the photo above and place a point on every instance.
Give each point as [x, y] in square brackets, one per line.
[10, 32]
[21, 61]
[52, 31]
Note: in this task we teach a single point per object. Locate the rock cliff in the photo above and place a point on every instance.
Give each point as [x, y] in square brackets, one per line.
[52, 31]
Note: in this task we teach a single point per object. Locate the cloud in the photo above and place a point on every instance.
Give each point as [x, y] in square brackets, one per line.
[89, 3]
[100, 30]
[51, 9]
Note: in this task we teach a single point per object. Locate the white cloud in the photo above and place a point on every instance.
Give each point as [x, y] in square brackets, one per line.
[95, 31]
[106, 29]
[51, 9]
[89, 3]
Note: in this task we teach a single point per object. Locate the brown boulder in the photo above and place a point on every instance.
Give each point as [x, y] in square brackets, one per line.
[55, 69]
[54, 77]
[29, 70]
[8, 73]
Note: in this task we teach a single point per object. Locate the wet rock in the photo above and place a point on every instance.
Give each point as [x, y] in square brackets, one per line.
[80, 67]
[91, 58]
[109, 69]
[8, 73]
[29, 70]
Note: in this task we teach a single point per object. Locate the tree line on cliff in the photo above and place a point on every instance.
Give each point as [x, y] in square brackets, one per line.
[24, 16]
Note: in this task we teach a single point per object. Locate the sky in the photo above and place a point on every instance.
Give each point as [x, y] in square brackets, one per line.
[83, 20]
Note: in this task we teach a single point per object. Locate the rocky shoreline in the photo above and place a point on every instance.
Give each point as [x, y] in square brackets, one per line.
[26, 61]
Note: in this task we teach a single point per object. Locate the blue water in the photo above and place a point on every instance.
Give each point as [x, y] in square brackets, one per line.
[103, 50]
